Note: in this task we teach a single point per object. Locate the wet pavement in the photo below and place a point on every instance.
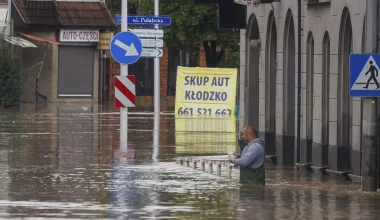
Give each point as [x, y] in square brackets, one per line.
[65, 162]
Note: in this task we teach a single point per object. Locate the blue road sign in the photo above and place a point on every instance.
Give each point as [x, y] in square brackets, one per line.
[364, 75]
[126, 47]
[162, 20]
[118, 19]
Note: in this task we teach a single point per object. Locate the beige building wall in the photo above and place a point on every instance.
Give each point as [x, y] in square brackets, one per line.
[48, 80]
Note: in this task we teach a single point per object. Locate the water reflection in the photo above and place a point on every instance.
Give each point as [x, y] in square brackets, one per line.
[202, 135]
[65, 161]
[156, 137]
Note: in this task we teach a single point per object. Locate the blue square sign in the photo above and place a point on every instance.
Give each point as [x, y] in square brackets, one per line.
[364, 75]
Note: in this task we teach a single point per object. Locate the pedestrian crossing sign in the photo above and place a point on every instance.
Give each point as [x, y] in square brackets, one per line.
[364, 75]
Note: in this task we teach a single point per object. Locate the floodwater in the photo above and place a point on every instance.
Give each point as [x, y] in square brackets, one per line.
[65, 162]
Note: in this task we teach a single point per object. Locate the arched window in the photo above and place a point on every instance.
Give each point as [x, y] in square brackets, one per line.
[252, 71]
[270, 85]
[289, 76]
[344, 99]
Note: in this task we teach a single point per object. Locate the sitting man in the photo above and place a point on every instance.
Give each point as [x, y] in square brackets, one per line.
[251, 162]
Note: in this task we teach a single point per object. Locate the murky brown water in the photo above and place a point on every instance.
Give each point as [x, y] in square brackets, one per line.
[65, 162]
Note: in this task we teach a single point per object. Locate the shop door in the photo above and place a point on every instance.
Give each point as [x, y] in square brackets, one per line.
[75, 72]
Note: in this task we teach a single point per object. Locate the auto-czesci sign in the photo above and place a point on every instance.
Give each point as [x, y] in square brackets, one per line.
[79, 35]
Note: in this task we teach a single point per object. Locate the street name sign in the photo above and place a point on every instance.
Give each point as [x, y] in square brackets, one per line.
[148, 42]
[152, 52]
[118, 19]
[162, 20]
[148, 33]
[364, 75]
[126, 47]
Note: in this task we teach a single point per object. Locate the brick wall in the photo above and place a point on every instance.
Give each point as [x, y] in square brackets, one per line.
[115, 71]
[164, 72]
[202, 58]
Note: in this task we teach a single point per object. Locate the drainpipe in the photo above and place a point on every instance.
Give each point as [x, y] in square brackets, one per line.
[370, 106]
[299, 83]
[9, 19]
[101, 77]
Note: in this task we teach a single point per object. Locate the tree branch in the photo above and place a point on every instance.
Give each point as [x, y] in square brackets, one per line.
[206, 48]
[213, 48]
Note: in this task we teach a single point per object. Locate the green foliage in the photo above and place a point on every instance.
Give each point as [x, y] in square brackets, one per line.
[10, 75]
[191, 25]
[232, 59]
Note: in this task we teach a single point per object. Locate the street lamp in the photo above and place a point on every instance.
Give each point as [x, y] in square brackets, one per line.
[255, 43]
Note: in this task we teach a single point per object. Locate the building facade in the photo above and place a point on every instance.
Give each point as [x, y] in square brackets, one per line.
[331, 121]
[65, 66]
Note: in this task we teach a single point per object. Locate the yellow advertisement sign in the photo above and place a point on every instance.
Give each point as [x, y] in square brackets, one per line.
[104, 41]
[205, 91]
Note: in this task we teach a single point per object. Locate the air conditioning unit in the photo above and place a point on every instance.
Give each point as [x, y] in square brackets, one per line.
[311, 2]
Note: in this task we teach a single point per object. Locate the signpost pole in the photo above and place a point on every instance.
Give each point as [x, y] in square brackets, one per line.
[124, 72]
[156, 70]
[370, 107]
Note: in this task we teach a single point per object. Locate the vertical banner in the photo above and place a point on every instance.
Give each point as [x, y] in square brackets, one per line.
[205, 122]
[205, 91]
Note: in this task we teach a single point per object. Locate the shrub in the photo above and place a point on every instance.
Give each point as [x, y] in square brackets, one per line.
[10, 74]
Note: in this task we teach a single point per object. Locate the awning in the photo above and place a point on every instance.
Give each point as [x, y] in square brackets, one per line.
[41, 39]
[19, 42]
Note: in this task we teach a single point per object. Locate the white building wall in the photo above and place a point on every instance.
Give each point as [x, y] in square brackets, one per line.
[318, 19]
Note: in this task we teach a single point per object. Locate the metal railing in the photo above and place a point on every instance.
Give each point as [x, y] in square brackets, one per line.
[209, 163]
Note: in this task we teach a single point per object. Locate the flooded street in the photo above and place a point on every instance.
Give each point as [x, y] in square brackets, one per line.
[64, 161]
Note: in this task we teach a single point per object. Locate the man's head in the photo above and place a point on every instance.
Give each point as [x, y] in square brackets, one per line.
[249, 133]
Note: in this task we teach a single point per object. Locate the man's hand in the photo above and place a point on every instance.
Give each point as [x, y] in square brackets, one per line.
[237, 155]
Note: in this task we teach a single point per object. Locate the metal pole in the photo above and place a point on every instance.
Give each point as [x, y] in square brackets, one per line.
[299, 83]
[156, 137]
[378, 100]
[39, 73]
[156, 70]
[124, 72]
[9, 19]
[370, 107]
[37, 91]
[101, 77]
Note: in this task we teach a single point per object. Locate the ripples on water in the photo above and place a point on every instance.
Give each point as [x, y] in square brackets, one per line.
[66, 162]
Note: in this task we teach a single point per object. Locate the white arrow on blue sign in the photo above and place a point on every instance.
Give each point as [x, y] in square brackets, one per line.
[364, 75]
[126, 47]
